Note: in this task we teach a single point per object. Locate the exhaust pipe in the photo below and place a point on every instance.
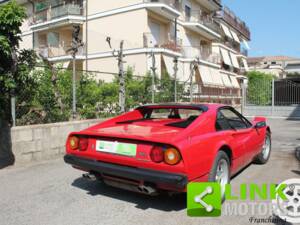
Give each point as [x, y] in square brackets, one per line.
[147, 190]
[89, 176]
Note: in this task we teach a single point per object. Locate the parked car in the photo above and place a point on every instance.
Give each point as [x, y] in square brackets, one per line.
[163, 147]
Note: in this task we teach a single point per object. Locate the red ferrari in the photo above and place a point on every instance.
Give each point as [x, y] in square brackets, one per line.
[163, 147]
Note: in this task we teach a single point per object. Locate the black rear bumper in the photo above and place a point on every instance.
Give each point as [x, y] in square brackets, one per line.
[170, 179]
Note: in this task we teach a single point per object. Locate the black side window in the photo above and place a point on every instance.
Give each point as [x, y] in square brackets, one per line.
[227, 119]
[222, 123]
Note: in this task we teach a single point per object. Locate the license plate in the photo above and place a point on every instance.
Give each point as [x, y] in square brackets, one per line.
[115, 147]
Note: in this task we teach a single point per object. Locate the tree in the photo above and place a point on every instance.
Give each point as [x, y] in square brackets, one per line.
[259, 88]
[15, 68]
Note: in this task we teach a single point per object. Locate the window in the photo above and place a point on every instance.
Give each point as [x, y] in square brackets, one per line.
[171, 113]
[228, 119]
[187, 11]
[53, 39]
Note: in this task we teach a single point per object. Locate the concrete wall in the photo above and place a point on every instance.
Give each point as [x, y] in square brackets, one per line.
[42, 142]
[277, 111]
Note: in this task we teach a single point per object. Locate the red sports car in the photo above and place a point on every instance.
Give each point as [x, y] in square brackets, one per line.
[163, 147]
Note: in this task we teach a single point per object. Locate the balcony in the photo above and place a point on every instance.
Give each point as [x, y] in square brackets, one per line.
[58, 15]
[151, 42]
[212, 5]
[202, 24]
[202, 53]
[165, 8]
[228, 16]
[59, 51]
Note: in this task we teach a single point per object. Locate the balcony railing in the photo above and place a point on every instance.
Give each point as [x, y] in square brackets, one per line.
[201, 53]
[61, 50]
[57, 12]
[227, 15]
[172, 3]
[206, 20]
[151, 42]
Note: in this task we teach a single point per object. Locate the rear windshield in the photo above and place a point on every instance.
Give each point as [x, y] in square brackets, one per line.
[184, 116]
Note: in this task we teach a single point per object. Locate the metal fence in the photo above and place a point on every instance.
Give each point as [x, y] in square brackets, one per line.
[97, 95]
[272, 98]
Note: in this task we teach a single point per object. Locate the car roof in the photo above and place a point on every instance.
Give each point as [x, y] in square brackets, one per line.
[204, 107]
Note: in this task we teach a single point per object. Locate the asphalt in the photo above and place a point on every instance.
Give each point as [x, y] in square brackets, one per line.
[52, 193]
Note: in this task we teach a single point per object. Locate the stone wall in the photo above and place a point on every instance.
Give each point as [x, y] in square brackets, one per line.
[42, 142]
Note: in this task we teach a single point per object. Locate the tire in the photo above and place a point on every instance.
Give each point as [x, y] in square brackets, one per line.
[222, 160]
[264, 155]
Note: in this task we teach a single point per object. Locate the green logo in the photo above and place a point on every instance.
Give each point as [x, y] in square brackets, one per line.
[204, 199]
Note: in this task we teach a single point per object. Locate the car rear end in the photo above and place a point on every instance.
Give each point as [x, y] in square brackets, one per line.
[136, 165]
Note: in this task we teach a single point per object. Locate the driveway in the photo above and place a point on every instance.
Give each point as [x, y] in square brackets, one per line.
[54, 193]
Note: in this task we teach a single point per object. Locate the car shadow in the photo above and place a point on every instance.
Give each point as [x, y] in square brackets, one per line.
[162, 202]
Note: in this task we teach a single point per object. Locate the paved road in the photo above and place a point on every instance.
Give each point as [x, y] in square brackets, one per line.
[53, 193]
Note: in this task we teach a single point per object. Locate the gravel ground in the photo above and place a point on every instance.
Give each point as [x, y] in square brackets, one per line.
[54, 193]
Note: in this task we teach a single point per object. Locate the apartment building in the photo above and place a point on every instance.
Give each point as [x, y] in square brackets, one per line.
[279, 66]
[190, 31]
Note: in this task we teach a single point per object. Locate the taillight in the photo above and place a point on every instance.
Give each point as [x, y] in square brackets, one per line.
[172, 156]
[83, 144]
[157, 154]
[74, 142]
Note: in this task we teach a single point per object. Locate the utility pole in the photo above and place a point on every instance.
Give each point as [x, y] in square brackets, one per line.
[121, 77]
[76, 44]
[175, 65]
[153, 68]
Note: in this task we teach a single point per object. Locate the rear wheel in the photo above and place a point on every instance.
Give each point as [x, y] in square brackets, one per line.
[220, 171]
[265, 153]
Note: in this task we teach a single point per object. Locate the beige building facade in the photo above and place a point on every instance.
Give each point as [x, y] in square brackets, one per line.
[200, 32]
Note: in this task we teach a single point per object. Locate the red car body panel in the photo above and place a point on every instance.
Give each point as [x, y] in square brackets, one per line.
[198, 144]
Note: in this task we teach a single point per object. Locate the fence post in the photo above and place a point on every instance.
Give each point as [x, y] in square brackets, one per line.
[121, 77]
[273, 96]
[175, 78]
[243, 98]
[13, 110]
[153, 68]
[74, 87]
[192, 69]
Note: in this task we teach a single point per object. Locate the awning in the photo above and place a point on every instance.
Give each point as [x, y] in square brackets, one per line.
[226, 31]
[225, 56]
[235, 36]
[246, 44]
[210, 77]
[234, 60]
[245, 64]
[169, 62]
[226, 80]
[216, 77]
[205, 75]
[234, 82]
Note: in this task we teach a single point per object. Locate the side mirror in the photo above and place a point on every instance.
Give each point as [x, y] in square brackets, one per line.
[259, 125]
[259, 122]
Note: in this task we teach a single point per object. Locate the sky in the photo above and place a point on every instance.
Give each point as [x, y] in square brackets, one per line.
[274, 25]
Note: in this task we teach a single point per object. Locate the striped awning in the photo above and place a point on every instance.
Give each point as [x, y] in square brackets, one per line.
[235, 36]
[245, 64]
[226, 57]
[234, 60]
[226, 31]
